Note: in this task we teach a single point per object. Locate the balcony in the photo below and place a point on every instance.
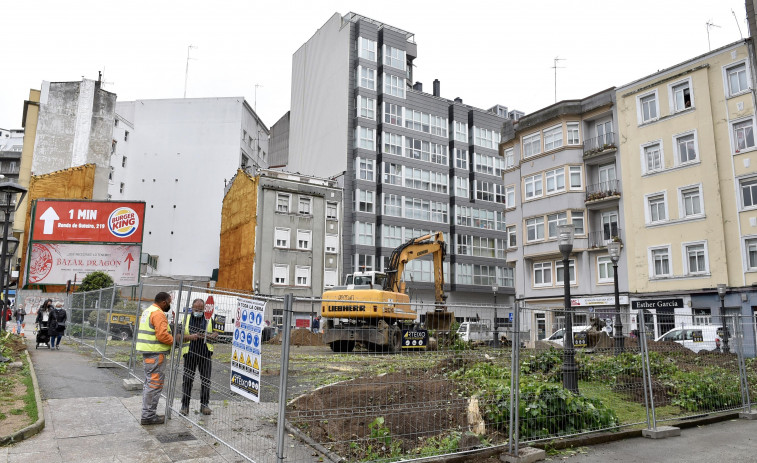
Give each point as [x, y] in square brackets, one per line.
[600, 145]
[603, 191]
[600, 239]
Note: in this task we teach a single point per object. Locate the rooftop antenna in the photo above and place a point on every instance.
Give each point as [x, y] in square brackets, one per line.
[710, 25]
[101, 78]
[255, 103]
[186, 73]
[737, 23]
[556, 67]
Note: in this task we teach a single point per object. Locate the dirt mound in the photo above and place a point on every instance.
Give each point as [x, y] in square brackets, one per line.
[665, 346]
[300, 337]
[633, 386]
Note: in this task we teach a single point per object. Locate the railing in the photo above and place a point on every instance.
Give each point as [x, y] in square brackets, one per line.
[603, 190]
[601, 238]
[599, 144]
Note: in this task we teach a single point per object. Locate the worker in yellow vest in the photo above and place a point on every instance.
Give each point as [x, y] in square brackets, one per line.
[197, 353]
[154, 341]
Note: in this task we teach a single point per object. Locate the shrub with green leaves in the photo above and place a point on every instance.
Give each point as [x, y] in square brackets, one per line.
[711, 389]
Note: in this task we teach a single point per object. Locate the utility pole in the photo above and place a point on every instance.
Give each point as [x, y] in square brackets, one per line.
[709, 24]
[556, 67]
[186, 73]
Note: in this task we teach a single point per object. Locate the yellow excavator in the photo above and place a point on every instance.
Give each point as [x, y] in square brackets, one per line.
[372, 305]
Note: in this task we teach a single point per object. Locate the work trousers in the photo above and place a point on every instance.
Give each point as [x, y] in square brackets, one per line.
[194, 362]
[154, 374]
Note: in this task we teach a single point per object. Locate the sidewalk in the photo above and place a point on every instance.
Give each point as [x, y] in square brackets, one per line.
[90, 418]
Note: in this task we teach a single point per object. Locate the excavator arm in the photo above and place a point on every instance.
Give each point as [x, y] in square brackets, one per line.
[413, 249]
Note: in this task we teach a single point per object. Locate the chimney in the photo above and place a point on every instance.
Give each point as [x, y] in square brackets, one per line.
[418, 86]
[437, 90]
[458, 100]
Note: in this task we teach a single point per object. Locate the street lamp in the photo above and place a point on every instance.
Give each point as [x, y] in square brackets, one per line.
[569, 369]
[7, 192]
[496, 334]
[721, 293]
[614, 248]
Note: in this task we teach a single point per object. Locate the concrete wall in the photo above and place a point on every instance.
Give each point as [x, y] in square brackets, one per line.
[279, 142]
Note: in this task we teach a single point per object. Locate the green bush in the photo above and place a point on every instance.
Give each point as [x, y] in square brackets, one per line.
[76, 330]
[711, 389]
[548, 363]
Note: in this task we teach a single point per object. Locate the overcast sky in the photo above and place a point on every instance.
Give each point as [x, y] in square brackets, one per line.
[485, 52]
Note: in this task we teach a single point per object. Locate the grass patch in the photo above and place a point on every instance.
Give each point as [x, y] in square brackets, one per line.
[30, 401]
[628, 412]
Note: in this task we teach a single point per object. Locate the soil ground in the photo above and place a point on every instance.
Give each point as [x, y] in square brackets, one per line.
[13, 417]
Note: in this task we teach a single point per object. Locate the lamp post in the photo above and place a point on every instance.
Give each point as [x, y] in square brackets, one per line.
[569, 369]
[614, 249]
[721, 293]
[496, 334]
[7, 191]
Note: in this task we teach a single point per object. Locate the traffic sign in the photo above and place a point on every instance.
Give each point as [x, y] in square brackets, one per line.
[209, 307]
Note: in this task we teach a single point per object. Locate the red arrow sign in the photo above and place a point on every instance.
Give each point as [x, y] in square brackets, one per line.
[129, 259]
[209, 307]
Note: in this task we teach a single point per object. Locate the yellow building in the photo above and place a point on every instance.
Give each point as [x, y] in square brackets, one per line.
[689, 170]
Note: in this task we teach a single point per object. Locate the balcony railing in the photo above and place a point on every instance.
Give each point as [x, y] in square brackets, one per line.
[601, 238]
[599, 144]
[603, 190]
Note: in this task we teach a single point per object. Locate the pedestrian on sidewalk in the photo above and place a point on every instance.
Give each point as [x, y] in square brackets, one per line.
[19, 313]
[43, 320]
[197, 355]
[154, 340]
[57, 325]
[317, 324]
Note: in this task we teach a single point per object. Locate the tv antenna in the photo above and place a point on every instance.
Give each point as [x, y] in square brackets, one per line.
[186, 73]
[710, 25]
[737, 23]
[255, 103]
[556, 67]
[101, 78]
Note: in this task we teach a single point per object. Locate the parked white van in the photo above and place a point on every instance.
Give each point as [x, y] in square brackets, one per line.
[694, 337]
[474, 331]
[557, 336]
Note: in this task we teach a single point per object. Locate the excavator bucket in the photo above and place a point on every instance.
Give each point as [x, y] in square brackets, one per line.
[439, 320]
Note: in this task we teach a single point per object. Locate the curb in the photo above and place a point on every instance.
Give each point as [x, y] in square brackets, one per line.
[35, 427]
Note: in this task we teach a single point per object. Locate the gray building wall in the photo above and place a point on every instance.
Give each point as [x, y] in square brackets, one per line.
[279, 142]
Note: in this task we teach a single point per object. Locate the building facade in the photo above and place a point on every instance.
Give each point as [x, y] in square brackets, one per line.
[413, 162]
[561, 167]
[177, 155]
[686, 152]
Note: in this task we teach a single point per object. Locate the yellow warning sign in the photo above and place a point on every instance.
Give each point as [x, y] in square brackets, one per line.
[248, 361]
[235, 356]
[255, 364]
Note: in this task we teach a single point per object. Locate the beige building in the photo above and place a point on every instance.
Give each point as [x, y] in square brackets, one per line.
[689, 169]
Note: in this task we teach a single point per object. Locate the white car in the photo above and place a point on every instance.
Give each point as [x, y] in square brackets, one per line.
[557, 336]
[695, 337]
[474, 331]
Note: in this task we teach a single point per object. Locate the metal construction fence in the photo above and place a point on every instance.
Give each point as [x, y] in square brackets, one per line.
[281, 393]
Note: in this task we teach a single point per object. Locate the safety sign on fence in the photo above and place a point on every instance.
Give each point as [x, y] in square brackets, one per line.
[245, 348]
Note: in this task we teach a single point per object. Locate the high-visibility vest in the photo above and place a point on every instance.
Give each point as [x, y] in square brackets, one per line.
[147, 342]
[208, 330]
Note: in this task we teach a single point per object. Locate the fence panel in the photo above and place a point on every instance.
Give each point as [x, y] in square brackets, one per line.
[367, 391]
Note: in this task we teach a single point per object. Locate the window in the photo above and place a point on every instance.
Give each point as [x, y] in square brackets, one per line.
[394, 85]
[748, 192]
[573, 138]
[123, 163]
[576, 182]
[365, 169]
[301, 276]
[509, 158]
[648, 107]
[366, 107]
[535, 229]
[126, 135]
[512, 240]
[656, 208]
[609, 220]
[552, 138]
[392, 174]
[303, 239]
[577, 217]
[681, 94]
[393, 114]
[553, 220]
[696, 258]
[366, 78]
[365, 201]
[542, 273]
[605, 270]
[417, 149]
[533, 186]
[463, 245]
[531, 145]
[439, 154]
[461, 187]
[652, 157]
[365, 138]
[439, 126]
[559, 271]
[331, 243]
[364, 263]
[660, 262]
[416, 120]
[305, 206]
[115, 123]
[485, 138]
[743, 135]
[282, 202]
[751, 253]
[702, 317]
[110, 174]
[393, 205]
[331, 210]
[461, 131]
[366, 49]
[364, 233]
[461, 159]
[122, 188]
[280, 274]
[391, 236]
[329, 278]
[394, 57]
[687, 150]
[392, 143]
[510, 196]
[691, 201]
[555, 180]
[737, 79]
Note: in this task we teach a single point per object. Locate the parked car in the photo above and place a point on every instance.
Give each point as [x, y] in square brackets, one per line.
[557, 336]
[474, 331]
[695, 337]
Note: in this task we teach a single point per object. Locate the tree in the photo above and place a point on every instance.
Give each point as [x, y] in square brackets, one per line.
[95, 280]
[92, 282]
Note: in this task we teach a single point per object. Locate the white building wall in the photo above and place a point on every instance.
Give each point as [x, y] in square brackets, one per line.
[180, 154]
